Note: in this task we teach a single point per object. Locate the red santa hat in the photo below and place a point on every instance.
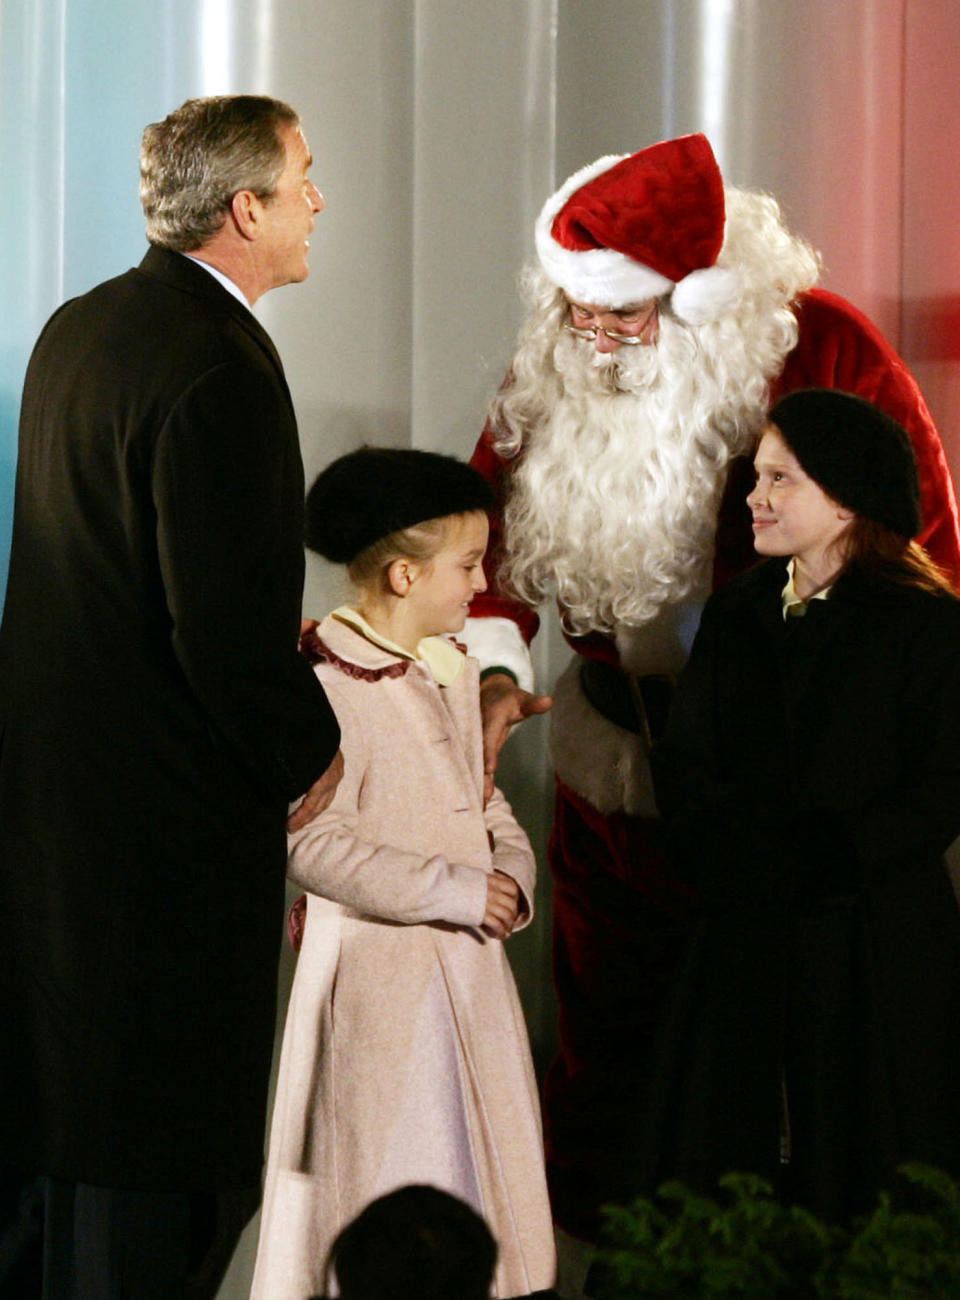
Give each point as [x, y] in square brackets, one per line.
[632, 227]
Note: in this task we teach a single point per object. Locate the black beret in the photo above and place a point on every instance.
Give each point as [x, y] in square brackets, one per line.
[857, 453]
[375, 491]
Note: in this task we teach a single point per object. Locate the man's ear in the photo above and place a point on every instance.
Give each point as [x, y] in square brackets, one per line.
[247, 212]
[845, 513]
[401, 576]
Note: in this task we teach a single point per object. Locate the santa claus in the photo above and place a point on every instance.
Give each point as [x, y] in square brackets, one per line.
[666, 313]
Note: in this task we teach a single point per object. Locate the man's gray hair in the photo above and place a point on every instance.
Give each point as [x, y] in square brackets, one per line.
[202, 154]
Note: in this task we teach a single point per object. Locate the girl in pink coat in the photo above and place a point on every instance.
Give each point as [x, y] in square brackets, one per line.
[405, 1056]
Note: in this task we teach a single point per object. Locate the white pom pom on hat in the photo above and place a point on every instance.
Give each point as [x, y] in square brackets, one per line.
[706, 295]
[630, 227]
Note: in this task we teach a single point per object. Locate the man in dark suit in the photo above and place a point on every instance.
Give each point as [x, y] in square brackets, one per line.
[155, 721]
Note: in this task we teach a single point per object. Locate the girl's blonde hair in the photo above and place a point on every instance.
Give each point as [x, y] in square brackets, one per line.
[421, 543]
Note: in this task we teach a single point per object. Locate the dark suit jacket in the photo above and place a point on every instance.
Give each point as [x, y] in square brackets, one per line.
[155, 720]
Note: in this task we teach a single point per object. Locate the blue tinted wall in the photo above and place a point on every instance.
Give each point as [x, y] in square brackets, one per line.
[79, 79]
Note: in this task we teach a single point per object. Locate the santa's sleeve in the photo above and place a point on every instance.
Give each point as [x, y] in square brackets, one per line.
[840, 348]
[499, 629]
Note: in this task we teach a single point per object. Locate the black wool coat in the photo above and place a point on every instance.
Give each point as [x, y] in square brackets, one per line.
[155, 719]
[810, 777]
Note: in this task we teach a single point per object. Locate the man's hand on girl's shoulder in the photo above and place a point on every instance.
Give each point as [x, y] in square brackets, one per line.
[319, 796]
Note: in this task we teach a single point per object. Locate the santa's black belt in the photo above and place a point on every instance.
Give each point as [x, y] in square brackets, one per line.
[637, 704]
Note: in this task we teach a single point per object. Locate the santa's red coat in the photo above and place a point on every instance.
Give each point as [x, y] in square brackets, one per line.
[617, 921]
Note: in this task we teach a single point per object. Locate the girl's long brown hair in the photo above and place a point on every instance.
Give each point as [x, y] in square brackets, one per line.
[875, 548]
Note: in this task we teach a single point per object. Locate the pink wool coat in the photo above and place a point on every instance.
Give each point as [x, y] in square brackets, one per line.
[405, 1055]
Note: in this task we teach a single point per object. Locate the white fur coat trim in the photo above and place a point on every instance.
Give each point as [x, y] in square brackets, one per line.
[596, 759]
[498, 643]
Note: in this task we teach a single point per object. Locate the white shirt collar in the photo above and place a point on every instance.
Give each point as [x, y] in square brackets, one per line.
[789, 594]
[444, 661]
[225, 280]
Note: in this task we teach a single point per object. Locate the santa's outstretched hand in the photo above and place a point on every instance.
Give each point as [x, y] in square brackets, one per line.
[503, 704]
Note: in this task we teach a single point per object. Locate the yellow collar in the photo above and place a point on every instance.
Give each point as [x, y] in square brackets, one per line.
[789, 595]
[444, 661]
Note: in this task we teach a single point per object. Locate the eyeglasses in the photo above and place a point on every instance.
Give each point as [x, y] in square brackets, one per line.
[591, 332]
[630, 339]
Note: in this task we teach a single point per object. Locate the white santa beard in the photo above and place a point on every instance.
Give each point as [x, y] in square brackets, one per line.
[613, 505]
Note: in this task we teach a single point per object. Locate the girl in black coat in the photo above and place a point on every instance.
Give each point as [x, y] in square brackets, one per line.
[810, 778]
